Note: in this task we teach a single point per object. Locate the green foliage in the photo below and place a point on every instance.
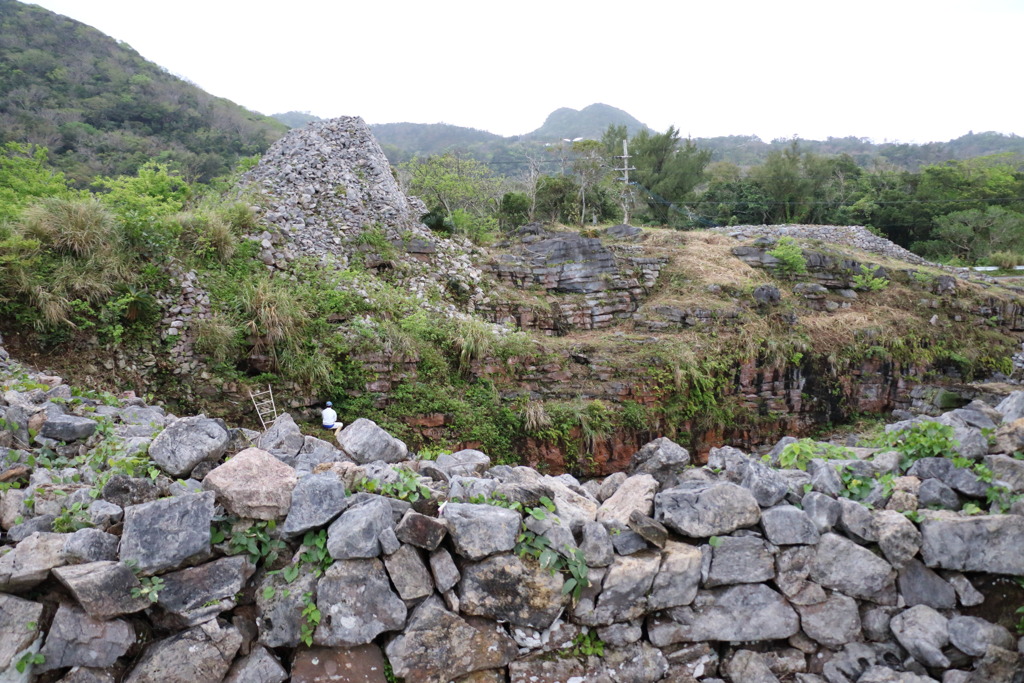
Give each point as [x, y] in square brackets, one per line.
[314, 553]
[406, 487]
[920, 440]
[973, 234]
[29, 659]
[790, 256]
[254, 540]
[150, 588]
[798, 454]
[513, 211]
[569, 561]
[25, 178]
[451, 181]
[310, 619]
[71, 519]
[668, 170]
[586, 643]
[866, 281]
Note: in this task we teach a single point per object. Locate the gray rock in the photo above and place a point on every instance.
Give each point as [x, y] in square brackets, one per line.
[409, 573]
[317, 500]
[749, 667]
[921, 586]
[897, 536]
[596, 545]
[103, 514]
[662, 458]
[188, 441]
[1011, 407]
[635, 663]
[998, 666]
[762, 481]
[421, 531]
[967, 482]
[824, 478]
[168, 533]
[973, 636]
[832, 623]
[965, 590]
[259, 666]
[355, 533]
[283, 438]
[364, 442]
[38, 524]
[199, 655]
[253, 484]
[624, 589]
[76, 639]
[606, 488]
[30, 562]
[192, 596]
[481, 530]
[19, 626]
[279, 606]
[745, 559]
[923, 632]
[123, 491]
[745, 612]
[90, 545]
[650, 530]
[103, 589]
[438, 646]
[509, 588]
[622, 634]
[934, 493]
[627, 541]
[442, 567]
[467, 463]
[1007, 471]
[789, 525]
[704, 509]
[389, 542]
[67, 428]
[989, 543]
[856, 521]
[636, 494]
[678, 577]
[842, 565]
[884, 674]
[823, 510]
[792, 572]
[356, 604]
[875, 623]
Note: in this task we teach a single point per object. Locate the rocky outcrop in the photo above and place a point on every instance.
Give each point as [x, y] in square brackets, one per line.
[656, 575]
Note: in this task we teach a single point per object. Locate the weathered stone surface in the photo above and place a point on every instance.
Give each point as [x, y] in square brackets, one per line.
[792, 571]
[19, 626]
[823, 510]
[678, 577]
[663, 459]
[634, 663]
[749, 667]
[188, 441]
[596, 545]
[481, 530]
[1008, 471]
[356, 604]
[76, 639]
[636, 494]
[973, 636]
[67, 428]
[443, 568]
[965, 590]
[90, 545]
[856, 521]
[833, 623]
[921, 586]
[360, 664]
[742, 559]
[438, 646]
[704, 509]
[934, 493]
[1010, 437]
[365, 442]
[259, 666]
[1011, 407]
[513, 589]
[103, 589]
[466, 463]
[652, 531]
[923, 632]
[842, 565]
[167, 533]
[355, 534]
[624, 589]
[283, 438]
[765, 483]
[31, 561]
[989, 543]
[201, 654]
[543, 669]
[316, 500]
[744, 612]
[279, 606]
[409, 573]
[998, 666]
[253, 484]
[788, 525]
[421, 531]
[897, 536]
[200, 593]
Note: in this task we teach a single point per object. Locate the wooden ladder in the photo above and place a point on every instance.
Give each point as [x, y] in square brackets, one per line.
[263, 401]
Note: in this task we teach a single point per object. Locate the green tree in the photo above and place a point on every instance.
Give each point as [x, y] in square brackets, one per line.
[25, 177]
[667, 171]
[972, 235]
[590, 168]
[450, 182]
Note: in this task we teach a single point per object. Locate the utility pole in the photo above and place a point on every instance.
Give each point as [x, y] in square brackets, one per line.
[626, 168]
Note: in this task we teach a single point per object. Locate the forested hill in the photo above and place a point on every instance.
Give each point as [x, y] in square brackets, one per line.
[102, 109]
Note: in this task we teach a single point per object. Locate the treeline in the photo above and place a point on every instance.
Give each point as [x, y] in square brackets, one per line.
[101, 109]
[968, 211]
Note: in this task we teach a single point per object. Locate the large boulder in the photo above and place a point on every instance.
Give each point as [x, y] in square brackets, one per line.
[199, 655]
[481, 530]
[851, 569]
[168, 533]
[513, 589]
[253, 484]
[636, 494]
[19, 626]
[356, 604]
[990, 543]
[700, 509]
[745, 612]
[365, 442]
[76, 639]
[188, 441]
[923, 632]
[663, 459]
[356, 533]
[30, 562]
[317, 500]
[104, 589]
[283, 438]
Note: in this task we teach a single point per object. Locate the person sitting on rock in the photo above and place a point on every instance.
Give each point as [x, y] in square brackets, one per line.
[329, 416]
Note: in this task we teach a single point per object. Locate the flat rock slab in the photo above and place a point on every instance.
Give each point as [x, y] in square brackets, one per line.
[76, 639]
[198, 655]
[356, 604]
[481, 530]
[200, 593]
[421, 531]
[678, 577]
[988, 543]
[438, 646]
[103, 589]
[67, 428]
[17, 632]
[635, 494]
[853, 570]
[746, 612]
[168, 533]
[703, 509]
[513, 589]
[365, 442]
[317, 500]
[253, 484]
[360, 664]
[30, 562]
[188, 441]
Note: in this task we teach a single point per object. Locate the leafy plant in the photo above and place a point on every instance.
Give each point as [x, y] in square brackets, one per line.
[72, 519]
[866, 281]
[920, 440]
[586, 643]
[798, 454]
[790, 256]
[310, 619]
[150, 588]
[32, 658]
[255, 540]
[408, 487]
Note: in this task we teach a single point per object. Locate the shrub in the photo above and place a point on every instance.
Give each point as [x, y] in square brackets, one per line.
[790, 256]
[1007, 260]
[74, 227]
[866, 281]
[217, 338]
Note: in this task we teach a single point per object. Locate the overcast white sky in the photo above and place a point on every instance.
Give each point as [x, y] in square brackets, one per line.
[907, 70]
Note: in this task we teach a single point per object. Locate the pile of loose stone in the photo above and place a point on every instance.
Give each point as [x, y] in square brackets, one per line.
[856, 236]
[735, 571]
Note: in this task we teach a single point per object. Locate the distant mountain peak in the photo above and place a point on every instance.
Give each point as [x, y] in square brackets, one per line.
[590, 122]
